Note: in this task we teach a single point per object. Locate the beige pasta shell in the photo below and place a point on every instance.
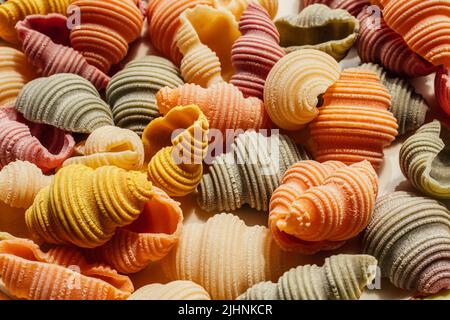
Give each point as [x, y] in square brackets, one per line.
[342, 277]
[176, 290]
[293, 87]
[226, 257]
[237, 7]
[205, 39]
[20, 182]
[424, 160]
[110, 146]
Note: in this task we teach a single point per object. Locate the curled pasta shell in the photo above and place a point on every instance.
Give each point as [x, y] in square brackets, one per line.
[132, 91]
[249, 173]
[106, 29]
[223, 105]
[66, 101]
[175, 146]
[378, 43]
[176, 290]
[205, 38]
[111, 146]
[424, 159]
[352, 6]
[226, 257]
[410, 237]
[237, 7]
[342, 277]
[442, 89]
[293, 87]
[60, 274]
[14, 11]
[20, 182]
[424, 25]
[320, 206]
[84, 206]
[38, 35]
[407, 106]
[354, 123]
[45, 146]
[15, 71]
[256, 52]
[319, 27]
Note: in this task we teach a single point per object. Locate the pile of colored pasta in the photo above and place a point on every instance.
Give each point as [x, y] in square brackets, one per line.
[106, 152]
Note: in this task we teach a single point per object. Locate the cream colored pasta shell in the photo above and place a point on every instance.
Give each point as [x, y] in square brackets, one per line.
[176, 290]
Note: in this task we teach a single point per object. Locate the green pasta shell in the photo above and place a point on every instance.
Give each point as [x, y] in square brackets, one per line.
[425, 160]
[131, 92]
[66, 101]
[333, 31]
[409, 108]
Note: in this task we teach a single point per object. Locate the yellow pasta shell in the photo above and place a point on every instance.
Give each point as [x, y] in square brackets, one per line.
[176, 290]
[176, 145]
[84, 206]
[237, 7]
[110, 146]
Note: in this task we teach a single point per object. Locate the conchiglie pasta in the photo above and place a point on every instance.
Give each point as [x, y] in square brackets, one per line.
[293, 87]
[176, 290]
[342, 277]
[237, 7]
[424, 159]
[20, 182]
[352, 6]
[15, 72]
[320, 206]
[442, 89]
[354, 123]
[60, 274]
[175, 146]
[205, 38]
[226, 257]
[85, 206]
[106, 29]
[110, 146]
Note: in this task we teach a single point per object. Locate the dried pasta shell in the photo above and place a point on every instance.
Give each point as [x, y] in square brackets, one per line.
[424, 25]
[14, 11]
[148, 239]
[66, 101]
[45, 146]
[48, 277]
[249, 173]
[443, 295]
[84, 206]
[319, 27]
[20, 182]
[175, 146]
[378, 43]
[424, 159]
[256, 52]
[205, 38]
[237, 7]
[223, 105]
[106, 29]
[320, 206]
[37, 35]
[407, 106]
[132, 91]
[15, 71]
[352, 6]
[176, 290]
[226, 257]
[354, 123]
[111, 146]
[293, 87]
[442, 89]
[342, 277]
[410, 237]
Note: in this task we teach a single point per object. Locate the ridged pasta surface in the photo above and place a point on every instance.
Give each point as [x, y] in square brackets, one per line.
[354, 123]
[410, 238]
[293, 87]
[442, 89]
[352, 6]
[320, 206]
[84, 206]
[249, 173]
[176, 290]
